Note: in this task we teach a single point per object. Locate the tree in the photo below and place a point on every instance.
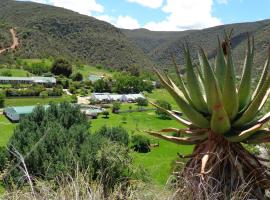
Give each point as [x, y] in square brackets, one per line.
[61, 67]
[116, 107]
[6, 73]
[162, 104]
[218, 119]
[77, 77]
[106, 114]
[140, 143]
[102, 85]
[116, 134]
[142, 102]
[2, 99]
[44, 94]
[57, 136]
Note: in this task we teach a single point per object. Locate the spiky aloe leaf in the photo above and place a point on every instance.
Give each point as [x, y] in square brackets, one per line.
[264, 75]
[197, 118]
[220, 122]
[176, 117]
[261, 136]
[180, 140]
[181, 82]
[193, 85]
[254, 106]
[229, 93]
[239, 137]
[245, 83]
[220, 65]
[188, 132]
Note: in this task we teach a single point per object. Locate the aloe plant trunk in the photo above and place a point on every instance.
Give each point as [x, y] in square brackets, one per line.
[224, 116]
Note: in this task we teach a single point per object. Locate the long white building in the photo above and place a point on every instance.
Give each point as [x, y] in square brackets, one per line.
[107, 97]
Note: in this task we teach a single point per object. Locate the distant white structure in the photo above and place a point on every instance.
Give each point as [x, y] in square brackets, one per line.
[27, 80]
[107, 97]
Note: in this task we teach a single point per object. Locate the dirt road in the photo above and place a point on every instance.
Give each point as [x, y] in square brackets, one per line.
[15, 41]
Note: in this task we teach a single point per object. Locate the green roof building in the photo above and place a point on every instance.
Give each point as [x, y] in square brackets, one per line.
[15, 113]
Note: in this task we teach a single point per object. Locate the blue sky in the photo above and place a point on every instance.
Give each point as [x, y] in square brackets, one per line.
[168, 15]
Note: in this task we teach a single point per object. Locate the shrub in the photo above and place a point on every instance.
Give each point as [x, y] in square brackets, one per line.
[142, 102]
[140, 143]
[44, 94]
[116, 107]
[116, 134]
[61, 132]
[163, 104]
[3, 158]
[61, 67]
[6, 73]
[2, 100]
[77, 77]
[74, 98]
[106, 113]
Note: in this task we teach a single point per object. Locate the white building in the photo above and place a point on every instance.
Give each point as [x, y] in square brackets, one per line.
[107, 97]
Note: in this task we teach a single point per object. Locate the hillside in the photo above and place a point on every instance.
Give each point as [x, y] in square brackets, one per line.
[160, 45]
[46, 31]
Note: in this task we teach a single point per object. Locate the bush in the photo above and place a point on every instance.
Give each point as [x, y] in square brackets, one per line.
[114, 165]
[77, 77]
[61, 67]
[163, 104]
[142, 102]
[6, 73]
[3, 158]
[116, 107]
[140, 144]
[2, 100]
[116, 134]
[74, 98]
[61, 132]
[44, 94]
[106, 113]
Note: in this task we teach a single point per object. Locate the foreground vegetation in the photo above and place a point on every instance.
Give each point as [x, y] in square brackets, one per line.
[220, 117]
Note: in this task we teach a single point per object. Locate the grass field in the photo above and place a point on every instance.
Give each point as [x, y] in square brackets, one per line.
[6, 128]
[159, 161]
[87, 70]
[35, 101]
[15, 72]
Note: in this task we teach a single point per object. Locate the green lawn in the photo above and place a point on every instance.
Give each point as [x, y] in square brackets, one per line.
[15, 72]
[162, 94]
[159, 161]
[35, 101]
[87, 70]
[6, 128]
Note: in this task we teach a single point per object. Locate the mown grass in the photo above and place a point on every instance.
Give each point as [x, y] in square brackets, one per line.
[15, 72]
[6, 128]
[86, 70]
[159, 161]
[35, 101]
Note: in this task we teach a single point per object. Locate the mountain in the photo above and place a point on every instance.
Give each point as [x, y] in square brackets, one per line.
[45, 31]
[161, 45]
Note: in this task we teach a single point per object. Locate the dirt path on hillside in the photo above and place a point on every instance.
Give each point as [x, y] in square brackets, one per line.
[15, 39]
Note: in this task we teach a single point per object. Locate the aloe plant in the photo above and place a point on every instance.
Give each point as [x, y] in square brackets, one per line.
[219, 119]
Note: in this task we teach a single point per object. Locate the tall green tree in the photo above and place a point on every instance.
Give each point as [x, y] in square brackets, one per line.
[61, 67]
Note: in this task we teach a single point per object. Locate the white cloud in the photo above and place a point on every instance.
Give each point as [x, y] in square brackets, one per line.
[126, 22]
[148, 3]
[222, 1]
[85, 7]
[185, 14]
